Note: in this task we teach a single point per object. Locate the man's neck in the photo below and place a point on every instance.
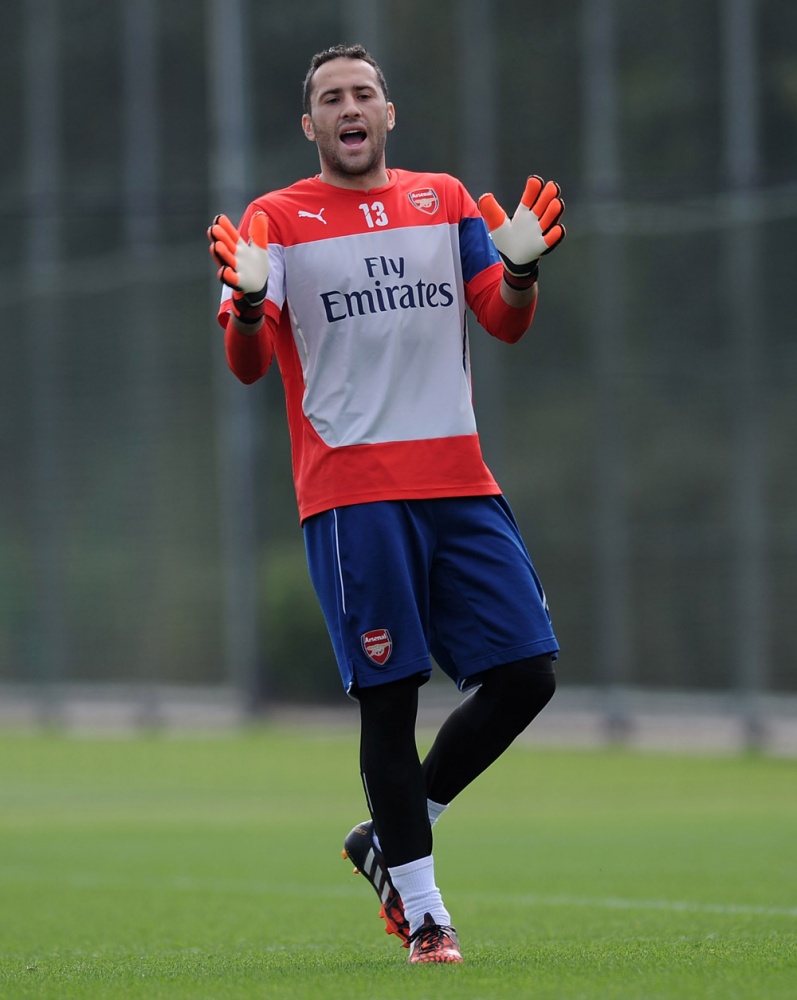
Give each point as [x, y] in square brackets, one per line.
[355, 182]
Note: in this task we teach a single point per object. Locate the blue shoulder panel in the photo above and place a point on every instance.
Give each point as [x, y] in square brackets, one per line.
[475, 247]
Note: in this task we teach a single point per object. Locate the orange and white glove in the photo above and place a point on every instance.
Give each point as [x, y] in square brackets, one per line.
[532, 231]
[244, 267]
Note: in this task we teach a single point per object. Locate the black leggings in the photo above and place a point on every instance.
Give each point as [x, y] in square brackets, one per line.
[397, 784]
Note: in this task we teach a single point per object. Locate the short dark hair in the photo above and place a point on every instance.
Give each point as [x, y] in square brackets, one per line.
[339, 52]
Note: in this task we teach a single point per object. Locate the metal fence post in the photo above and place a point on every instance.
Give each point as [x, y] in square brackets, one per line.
[602, 173]
[49, 634]
[741, 289]
[230, 190]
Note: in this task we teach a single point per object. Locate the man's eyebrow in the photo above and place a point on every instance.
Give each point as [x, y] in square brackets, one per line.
[330, 91]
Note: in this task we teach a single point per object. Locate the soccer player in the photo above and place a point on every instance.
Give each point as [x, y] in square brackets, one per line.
[357, 281]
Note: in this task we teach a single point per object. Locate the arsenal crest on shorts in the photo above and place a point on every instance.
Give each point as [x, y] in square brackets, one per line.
[378, 645]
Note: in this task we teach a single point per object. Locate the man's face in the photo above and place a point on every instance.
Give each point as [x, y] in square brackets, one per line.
[349, 120]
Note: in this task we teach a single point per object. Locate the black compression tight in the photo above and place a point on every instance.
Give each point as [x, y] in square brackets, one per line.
[483, 726]
[391, 770]
[476, 733]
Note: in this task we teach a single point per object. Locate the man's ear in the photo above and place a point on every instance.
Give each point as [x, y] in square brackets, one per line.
[307, 128]
[391, 116]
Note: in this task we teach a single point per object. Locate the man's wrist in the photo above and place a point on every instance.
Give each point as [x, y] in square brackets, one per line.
[522, 282]
[249, 307]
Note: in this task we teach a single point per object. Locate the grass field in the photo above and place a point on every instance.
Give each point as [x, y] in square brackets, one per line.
[156, 867]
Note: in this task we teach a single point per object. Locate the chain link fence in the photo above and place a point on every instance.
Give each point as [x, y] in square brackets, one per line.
[644, 431]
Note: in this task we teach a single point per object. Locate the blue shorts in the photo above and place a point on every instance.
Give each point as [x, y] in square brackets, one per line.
[401, 581]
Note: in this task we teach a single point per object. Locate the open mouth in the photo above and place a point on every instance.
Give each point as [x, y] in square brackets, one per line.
[353, 137]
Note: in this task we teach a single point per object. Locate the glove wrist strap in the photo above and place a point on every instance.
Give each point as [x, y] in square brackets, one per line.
[249, 307]
[522, 282]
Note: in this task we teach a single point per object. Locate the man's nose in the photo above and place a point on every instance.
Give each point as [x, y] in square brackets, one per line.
[351, 108]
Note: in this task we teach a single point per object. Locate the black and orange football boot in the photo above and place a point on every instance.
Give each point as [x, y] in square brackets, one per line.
[368, 860]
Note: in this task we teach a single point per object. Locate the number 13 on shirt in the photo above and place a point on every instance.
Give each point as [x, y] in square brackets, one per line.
[374, 214]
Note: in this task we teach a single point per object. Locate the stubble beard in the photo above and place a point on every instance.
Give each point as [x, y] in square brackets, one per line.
[337, 164]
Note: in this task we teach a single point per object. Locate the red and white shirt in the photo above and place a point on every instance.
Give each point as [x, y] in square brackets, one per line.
[366, 315]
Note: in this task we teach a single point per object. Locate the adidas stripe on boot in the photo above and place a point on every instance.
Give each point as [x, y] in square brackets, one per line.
[360, 849]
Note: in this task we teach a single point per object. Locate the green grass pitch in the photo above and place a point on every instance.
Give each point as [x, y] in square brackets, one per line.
[210, 867]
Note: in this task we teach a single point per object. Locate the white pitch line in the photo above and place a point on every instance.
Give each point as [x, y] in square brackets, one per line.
[89, 880]
[616, 903]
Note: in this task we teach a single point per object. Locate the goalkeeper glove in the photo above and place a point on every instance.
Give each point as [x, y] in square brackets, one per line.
[244, 267]
[534, 230]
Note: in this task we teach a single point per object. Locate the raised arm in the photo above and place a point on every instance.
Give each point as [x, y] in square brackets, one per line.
[244, 268]
[534, 230]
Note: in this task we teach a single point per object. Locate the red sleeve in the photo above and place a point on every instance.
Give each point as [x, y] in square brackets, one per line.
[500, 320]
[250, 355]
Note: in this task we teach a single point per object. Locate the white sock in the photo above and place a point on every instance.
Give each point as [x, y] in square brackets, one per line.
[415, 884]
[436, 810]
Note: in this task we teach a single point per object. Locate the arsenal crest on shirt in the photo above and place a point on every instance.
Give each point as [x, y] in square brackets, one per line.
[378, 645]
[425, 200]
